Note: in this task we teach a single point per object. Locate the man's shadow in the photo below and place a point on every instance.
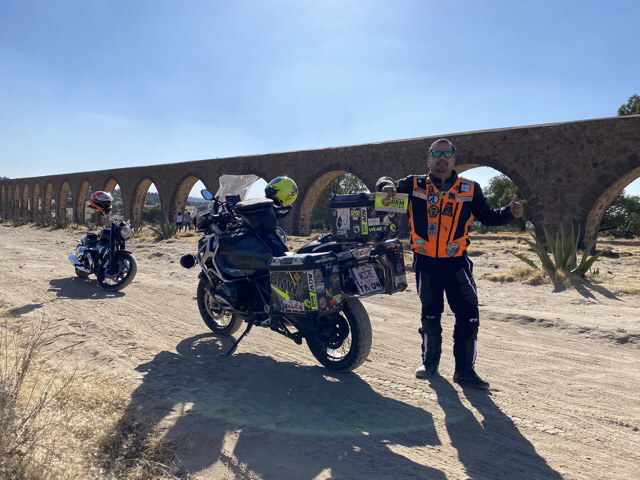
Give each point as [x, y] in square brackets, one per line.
[80, 288]
[289, 421]
[494, 448]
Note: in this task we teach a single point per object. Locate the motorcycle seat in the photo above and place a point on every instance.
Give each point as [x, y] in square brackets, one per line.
[254, 204]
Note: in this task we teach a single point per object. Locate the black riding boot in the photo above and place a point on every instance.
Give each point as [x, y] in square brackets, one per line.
[431, 350]
[465, 362]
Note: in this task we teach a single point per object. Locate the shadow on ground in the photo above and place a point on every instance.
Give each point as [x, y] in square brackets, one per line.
[81, 288]
[492, 448]
[286, 420]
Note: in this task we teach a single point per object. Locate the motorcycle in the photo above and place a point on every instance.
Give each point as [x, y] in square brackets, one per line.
[104, 254]
[247, 274]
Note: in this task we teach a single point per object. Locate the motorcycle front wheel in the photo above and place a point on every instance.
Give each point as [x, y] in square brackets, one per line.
[125, 271]
[343, 340]
[218, 321]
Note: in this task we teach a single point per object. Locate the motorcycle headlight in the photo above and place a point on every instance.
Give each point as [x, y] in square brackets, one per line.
[125, 232]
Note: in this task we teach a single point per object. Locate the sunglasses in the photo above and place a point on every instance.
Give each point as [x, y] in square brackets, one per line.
[440, 153]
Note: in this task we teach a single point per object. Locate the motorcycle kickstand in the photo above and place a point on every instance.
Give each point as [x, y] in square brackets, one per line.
[235, 344]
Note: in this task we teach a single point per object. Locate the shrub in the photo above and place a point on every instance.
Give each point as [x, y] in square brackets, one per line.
[25, 397]
[164, 230]
[61, 223]
[564, 249]
[18, 222]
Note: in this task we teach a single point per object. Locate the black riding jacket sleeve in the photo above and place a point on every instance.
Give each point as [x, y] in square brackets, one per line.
[480, 207]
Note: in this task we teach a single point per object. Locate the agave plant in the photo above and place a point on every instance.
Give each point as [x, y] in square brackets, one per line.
[164, 230]
[18, 222]
[564, 249]
[136, 230]
[61, 223]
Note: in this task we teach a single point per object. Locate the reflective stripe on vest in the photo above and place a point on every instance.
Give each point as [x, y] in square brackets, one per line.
[439, 221]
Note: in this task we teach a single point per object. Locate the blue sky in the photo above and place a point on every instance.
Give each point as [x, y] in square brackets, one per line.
[98, 84]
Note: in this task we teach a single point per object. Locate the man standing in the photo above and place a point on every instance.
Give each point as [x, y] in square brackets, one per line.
[187, 220]
[441, 207]
[179, 221]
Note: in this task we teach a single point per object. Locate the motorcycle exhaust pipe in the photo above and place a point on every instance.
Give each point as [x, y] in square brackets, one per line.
[78, 264]
[225, 304]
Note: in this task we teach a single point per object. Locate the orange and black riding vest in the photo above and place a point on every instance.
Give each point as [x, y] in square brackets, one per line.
[440, 221]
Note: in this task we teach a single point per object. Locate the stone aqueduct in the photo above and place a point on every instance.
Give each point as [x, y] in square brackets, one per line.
[569, 172]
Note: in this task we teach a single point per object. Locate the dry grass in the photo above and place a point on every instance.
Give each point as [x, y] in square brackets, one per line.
[60, 426]
[525, 275]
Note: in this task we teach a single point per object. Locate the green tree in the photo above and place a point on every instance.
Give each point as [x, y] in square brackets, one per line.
[622, 218]
[342, 185]
[152, 198]
[499, 193]
[152, 214]
[632, 107]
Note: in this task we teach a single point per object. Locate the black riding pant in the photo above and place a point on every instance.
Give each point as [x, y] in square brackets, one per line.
[453, 277]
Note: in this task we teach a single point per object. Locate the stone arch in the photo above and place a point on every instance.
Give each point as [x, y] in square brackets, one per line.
[600, 205]
[25, 211]
[36, 201]
[140, 193]
[17, 204]
[181, 194]
[48, 196]
[119, 206]
[81, 202]
[311, 196]
[110, 185]
[61, 201]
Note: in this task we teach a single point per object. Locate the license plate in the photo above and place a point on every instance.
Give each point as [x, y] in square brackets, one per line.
[366, 279]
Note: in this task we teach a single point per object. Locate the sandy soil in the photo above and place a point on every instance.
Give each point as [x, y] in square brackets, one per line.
[563, 364]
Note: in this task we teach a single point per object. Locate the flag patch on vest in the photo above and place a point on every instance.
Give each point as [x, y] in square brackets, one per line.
[448, 209]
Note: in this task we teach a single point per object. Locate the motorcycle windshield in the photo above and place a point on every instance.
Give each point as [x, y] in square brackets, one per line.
[247, 186]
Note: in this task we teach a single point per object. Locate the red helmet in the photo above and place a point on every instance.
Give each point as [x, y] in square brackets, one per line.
[101, 201]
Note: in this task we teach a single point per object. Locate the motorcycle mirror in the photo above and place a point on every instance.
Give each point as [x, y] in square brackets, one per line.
[206, 194]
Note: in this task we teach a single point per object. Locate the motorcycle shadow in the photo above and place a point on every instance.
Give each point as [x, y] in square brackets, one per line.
[80, 288]
[290, 420]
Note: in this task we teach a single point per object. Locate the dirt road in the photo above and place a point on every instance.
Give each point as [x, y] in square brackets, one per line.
[563, 364]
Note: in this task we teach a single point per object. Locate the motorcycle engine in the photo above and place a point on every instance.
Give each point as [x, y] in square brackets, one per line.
[229, 292]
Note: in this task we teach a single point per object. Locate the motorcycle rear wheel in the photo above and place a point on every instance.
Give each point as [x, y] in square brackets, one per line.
[219, 322]
[345, 340]
[128, 271]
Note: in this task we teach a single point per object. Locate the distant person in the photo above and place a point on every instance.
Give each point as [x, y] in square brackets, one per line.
[179, 221]
[187, 220]
[441, 207]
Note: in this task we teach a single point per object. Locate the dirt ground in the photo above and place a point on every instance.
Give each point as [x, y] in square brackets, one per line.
[562, 361]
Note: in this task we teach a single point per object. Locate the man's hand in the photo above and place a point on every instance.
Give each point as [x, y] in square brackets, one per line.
[390, 190]
[516, 208]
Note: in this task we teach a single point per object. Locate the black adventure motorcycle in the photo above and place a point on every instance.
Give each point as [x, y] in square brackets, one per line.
[104, 254]
[248, 274]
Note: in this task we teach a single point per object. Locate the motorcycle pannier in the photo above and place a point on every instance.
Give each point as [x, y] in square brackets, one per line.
[354, 218]
[305, 284]
[392, 260]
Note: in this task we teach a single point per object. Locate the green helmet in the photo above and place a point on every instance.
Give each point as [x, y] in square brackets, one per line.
[282, 190]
